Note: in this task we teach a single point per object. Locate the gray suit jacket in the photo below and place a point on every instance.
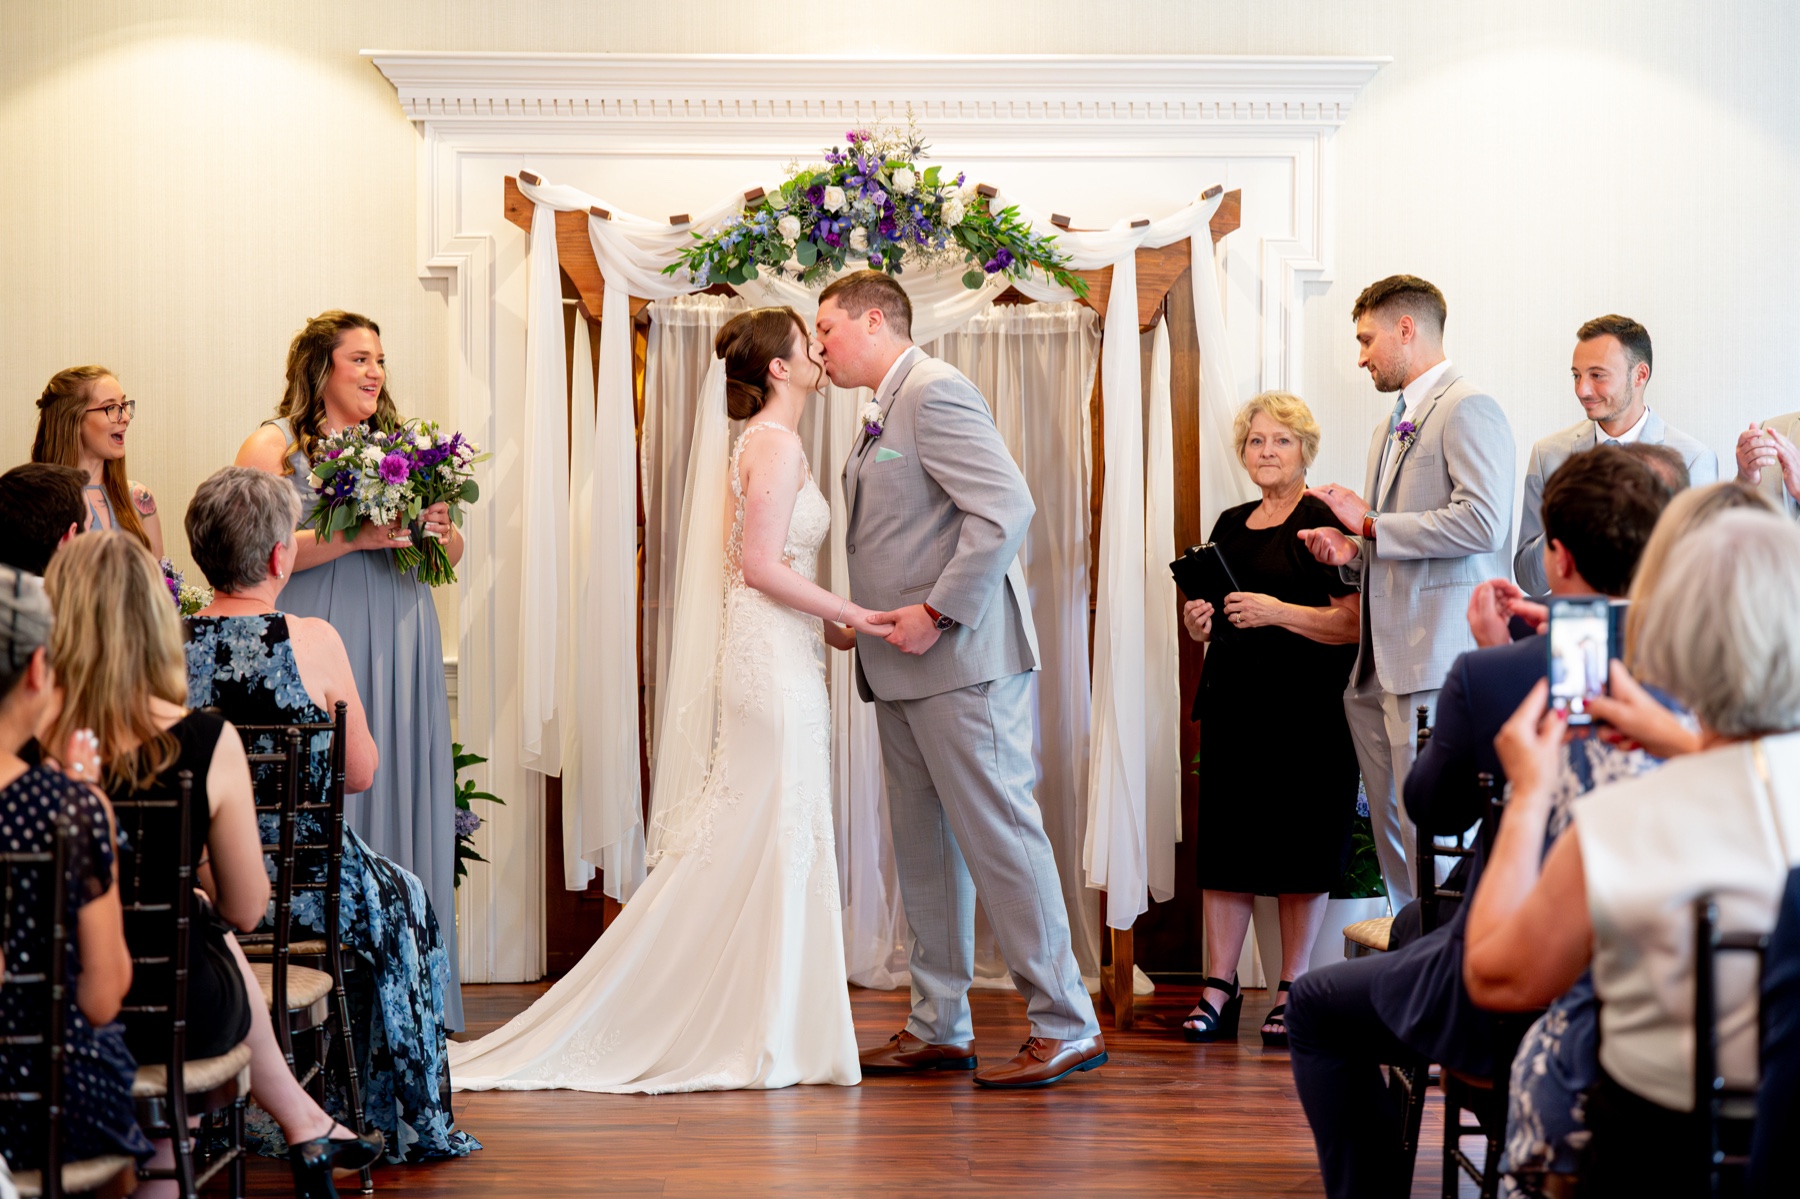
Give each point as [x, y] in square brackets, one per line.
[1556, 449]
[937, 513]
[1445, 521]
[1788, 426]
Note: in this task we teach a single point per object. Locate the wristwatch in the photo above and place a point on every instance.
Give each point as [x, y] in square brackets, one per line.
[1368, 525]
[944, 623]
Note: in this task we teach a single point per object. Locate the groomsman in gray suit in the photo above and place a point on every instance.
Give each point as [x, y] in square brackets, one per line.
[1612, 372]
[1440, 478]
[1767, 458]
[937, 510]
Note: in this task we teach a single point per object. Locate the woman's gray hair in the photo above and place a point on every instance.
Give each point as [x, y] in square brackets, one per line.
[25, 623]
[236, 517]
[1723, 631]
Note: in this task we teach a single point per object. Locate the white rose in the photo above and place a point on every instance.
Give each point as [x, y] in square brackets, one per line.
[904, 180]
[859, 239]
[834, 199]
[953, 211]
[789, 227]
[422, 441]
[314, 481]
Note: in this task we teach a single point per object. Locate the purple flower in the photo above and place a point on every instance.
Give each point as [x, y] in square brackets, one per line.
[888, 228]
[874, 262]
[1404, 432]
[1004, 257]
[872, 428]
[334, 453]
[394, 469]
[815, 194]
[466, 822]
[991, 266]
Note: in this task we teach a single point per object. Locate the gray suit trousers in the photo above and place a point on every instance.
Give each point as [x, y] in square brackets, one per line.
[960, 776]
[1384, 728]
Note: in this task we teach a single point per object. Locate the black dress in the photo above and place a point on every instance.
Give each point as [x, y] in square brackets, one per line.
[218, 1015]
[98, 1119]
[1278, 770]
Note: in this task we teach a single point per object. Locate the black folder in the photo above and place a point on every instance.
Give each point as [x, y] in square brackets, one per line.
[1202, 574]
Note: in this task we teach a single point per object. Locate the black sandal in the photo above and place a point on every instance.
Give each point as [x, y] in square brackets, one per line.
[1277, 1014]
[1213, 1023]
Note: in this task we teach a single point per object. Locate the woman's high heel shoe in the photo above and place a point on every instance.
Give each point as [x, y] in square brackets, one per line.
[1277, 1015]
[1216, 1024]
[313, 1161]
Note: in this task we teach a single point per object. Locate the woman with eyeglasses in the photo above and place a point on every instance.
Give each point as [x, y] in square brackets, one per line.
[82, 418]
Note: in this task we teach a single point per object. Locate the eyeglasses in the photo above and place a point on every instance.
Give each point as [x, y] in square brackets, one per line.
[126, 410]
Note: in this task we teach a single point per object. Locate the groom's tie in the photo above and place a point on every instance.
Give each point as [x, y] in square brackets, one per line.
[1390, 451]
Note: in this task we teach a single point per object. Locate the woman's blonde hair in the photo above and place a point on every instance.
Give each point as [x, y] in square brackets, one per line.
[308, 369]
[117, 646]
[61, 409]
[1285, 409]
[1688, 511]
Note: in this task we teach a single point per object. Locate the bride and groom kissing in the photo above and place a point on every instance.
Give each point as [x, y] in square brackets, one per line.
[726, 969]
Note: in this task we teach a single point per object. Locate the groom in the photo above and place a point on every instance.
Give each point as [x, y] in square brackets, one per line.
[937, 512]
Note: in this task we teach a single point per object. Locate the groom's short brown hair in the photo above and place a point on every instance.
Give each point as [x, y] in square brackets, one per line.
[858, 292]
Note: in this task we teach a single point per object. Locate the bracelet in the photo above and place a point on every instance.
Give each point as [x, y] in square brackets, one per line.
[839, 618]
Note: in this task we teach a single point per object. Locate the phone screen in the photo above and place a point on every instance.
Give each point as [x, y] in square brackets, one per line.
[1580, 653]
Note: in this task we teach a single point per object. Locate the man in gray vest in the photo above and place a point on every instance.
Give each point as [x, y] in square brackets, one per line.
[1611, 367]
[936, 510]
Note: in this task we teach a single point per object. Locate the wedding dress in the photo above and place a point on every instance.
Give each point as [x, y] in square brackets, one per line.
[726, 970]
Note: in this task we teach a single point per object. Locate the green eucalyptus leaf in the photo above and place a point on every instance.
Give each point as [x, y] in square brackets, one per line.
[972, 280]
[806, 253]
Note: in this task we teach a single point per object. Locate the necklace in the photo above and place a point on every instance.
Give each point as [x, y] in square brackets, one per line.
[263, 607]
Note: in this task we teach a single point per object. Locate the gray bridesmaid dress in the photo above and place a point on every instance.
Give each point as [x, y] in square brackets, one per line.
[390, 629]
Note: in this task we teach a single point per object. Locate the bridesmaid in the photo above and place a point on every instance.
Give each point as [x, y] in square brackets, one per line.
[336, 377]
[83, 416]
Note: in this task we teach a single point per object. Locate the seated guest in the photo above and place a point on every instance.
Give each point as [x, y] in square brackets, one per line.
[1555, 1065]
[98, 1119]
[83, 416]
[1664, 461]
[109, 593]
[1408, 1005]
[1775, 1152]
[1722, 635]
[41, 506]
[258, 665]
[1612, 374]
[1767, 458]
[1277, 661]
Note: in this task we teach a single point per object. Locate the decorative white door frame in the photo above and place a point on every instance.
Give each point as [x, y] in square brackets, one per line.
[482, 116]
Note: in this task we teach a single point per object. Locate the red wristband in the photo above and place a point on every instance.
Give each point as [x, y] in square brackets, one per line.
[932, 612]
[1368, 527]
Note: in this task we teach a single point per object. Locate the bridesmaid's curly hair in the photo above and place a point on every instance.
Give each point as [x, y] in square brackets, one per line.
[748, 343]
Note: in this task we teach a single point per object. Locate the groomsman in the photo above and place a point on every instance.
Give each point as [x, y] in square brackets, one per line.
[1436, 523]
[1612, 372]
[1767, 457]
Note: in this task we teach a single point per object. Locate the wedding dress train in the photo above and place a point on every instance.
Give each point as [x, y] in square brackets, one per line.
[726, 970]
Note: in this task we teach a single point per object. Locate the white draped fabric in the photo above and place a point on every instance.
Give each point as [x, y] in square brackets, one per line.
[1132, 676]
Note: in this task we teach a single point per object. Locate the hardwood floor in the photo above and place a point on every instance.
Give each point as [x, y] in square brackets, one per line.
[1161, 1118]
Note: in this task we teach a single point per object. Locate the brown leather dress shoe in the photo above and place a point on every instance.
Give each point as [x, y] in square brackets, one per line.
[907, 1054]
[1042, 1062]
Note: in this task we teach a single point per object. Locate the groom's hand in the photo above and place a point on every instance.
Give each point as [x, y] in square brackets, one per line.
[914, 630]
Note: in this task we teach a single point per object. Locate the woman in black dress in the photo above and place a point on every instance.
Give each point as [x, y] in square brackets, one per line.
[1278, 770]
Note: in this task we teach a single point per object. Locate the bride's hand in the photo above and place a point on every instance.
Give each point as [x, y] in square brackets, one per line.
[839, 636]
[870, 623]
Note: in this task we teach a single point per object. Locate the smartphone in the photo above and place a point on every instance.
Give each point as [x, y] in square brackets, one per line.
[1581, 652]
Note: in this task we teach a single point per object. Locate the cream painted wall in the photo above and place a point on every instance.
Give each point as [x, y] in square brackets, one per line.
[183, 182]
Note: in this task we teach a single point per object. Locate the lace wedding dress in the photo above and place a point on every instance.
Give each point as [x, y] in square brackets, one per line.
[726, 969]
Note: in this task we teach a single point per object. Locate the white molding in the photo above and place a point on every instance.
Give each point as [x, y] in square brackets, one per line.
[1045, 91]
[484, 115]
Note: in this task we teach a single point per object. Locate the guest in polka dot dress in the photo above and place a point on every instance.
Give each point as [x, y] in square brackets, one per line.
[98, 1118]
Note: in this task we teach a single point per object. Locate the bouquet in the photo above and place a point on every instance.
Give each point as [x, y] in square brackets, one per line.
[871, 200]
[189, 597]
[441, 466]
[367, 474]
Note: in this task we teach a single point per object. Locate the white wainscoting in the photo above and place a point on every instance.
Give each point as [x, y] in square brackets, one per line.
[1097, 138]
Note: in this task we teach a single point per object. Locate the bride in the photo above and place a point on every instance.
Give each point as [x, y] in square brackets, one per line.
[726, 969]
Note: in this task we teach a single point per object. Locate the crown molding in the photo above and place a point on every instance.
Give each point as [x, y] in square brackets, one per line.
[1054, 91]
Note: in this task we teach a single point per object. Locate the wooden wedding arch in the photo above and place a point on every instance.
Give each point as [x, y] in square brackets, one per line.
[1169, 933]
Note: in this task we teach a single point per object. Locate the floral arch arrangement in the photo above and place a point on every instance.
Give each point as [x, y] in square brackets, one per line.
[871, 200]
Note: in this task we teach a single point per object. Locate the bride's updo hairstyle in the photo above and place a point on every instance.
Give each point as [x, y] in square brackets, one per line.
[747, 343]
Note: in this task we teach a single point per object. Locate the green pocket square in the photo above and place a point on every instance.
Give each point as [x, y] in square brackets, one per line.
[886, 455]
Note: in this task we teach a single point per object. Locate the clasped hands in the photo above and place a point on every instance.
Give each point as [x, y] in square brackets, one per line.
[1330, 546]
[1243, 609]
[911, 630]
[1759, 449]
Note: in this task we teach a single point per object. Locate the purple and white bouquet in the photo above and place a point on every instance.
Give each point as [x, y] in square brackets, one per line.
[387, 477]
[441, 464]
[189, 597]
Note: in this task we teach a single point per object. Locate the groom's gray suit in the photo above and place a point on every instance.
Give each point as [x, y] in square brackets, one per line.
[937, 512]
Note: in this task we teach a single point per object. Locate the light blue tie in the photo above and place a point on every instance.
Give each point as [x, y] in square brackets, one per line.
[1399, 411]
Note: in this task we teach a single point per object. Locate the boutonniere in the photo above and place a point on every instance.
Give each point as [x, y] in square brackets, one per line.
[1406, 433]
[871, 418]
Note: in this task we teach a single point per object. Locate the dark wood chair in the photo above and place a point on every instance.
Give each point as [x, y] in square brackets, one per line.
[316, 1003]
[156, 893]
[1725, 1114]
[45, 873]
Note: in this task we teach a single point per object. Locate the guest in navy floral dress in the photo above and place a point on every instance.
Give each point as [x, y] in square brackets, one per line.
[258, 665]
[98, 1118]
